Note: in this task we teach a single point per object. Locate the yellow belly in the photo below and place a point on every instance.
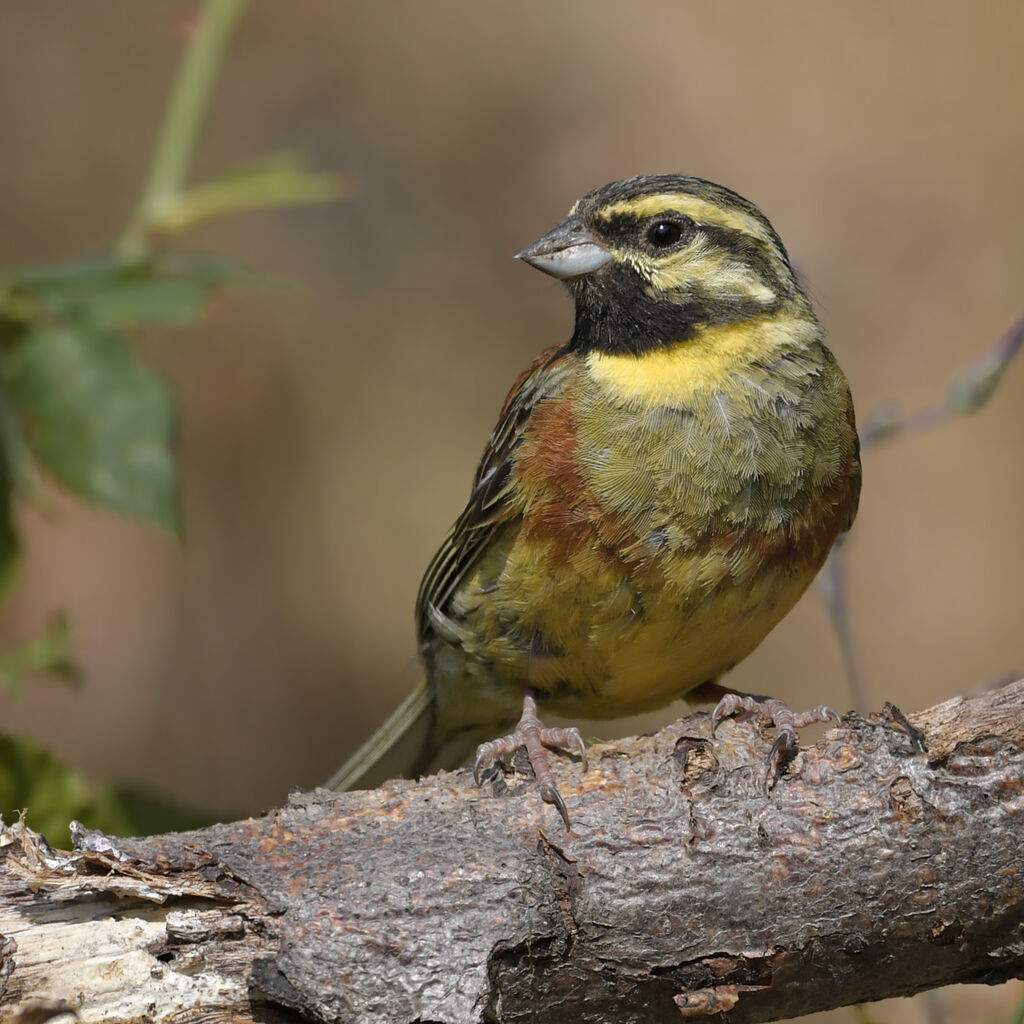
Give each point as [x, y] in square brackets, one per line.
[597, 645]
[647, 661]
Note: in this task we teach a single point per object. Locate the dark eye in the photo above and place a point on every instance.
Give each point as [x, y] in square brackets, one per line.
[663, 233]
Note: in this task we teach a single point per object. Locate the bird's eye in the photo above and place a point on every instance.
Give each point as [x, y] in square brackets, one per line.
[663, 233]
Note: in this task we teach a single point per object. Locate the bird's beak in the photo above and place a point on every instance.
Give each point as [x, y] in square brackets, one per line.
[570, 250]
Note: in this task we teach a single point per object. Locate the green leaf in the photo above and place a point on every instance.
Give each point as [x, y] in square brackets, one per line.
[18, 471]
[128, 303]
[63, 275]
[98, 420]
[10, 544]
[106, 292]
[171, 289]
[146, 813]
[48, 654]
[202, 268]
[31, 778]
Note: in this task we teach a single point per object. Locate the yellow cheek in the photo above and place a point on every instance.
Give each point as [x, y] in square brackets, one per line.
[709, 270]
[715, 277]
[700, 267]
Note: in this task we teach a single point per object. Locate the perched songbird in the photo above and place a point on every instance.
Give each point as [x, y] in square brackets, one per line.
[657, 494]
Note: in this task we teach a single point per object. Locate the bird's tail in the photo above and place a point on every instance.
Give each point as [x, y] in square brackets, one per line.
[405, 746]
[401, 746]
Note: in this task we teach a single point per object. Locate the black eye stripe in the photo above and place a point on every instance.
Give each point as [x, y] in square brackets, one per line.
[621, 228]
[630, 231]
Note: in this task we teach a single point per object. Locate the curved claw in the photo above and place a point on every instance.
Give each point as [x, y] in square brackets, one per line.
[725, 708]
[530, 735]
[775, 712]
[574, 741]
[783, 741]
[480, 762]
[550, 795]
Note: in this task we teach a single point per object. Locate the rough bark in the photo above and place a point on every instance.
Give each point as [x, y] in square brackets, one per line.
[685, 890]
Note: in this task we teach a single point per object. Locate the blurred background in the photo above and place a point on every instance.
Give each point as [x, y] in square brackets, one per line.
[331, 422]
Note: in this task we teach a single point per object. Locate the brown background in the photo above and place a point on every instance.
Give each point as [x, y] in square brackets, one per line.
[330, 429]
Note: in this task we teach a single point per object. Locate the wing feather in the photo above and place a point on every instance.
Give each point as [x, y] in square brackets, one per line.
[489, 507]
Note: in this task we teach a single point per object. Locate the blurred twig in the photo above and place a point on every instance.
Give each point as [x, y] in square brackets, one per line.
[280, 182]
[188, 105]
[832, 586]
[167, 204]
[935, 1006]
[969, 391]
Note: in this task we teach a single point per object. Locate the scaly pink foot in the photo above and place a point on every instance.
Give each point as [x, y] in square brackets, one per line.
[530, 735]
[772, 711]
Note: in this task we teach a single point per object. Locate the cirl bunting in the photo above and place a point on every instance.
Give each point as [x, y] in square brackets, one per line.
[656, 495]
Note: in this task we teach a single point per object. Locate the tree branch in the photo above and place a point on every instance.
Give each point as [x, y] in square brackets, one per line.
[684, 890]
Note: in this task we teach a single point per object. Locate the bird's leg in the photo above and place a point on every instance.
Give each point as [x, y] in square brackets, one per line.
[770, 711]
[531, 736]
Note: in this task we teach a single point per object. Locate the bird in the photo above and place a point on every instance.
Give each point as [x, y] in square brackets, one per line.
[657, 493]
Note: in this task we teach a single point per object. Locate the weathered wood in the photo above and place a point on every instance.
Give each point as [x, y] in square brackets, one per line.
[684, 890]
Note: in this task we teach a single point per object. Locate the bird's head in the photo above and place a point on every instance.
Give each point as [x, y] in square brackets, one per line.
[652, 260]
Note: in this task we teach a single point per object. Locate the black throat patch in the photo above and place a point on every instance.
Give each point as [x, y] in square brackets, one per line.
[616, 315]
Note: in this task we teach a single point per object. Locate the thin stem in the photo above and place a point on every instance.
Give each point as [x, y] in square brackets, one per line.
[183, 120]
[968, 392]
[832, 584]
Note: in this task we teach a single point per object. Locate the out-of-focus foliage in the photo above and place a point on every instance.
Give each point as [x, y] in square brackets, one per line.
[55, 794]
[49, 652]
[77, 403]
[79, 407]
